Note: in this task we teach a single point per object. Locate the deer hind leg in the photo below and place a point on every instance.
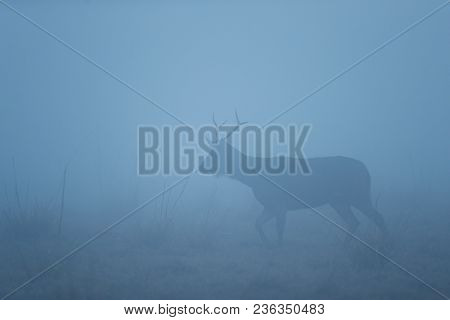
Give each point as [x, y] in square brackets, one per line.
[281, 224]
[386, 243]
[373, 215]
[345, 211]
[265, 216]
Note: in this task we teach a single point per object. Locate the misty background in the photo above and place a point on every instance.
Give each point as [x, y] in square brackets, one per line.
[195, 58]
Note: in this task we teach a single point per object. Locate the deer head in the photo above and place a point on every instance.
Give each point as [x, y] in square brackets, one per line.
[221, 150]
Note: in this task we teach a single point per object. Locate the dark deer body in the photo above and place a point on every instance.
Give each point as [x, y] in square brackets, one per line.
[341, 182]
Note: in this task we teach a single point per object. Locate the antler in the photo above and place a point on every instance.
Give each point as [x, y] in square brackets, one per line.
[215, 123]
[239, 123]
[237, 118]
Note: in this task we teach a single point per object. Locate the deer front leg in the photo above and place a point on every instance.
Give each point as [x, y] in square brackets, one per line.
[281, 224]
[265, 216]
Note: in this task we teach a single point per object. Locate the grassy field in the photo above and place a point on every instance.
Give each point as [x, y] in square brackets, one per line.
[216, 254]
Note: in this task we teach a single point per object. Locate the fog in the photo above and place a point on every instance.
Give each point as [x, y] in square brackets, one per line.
[74, 92]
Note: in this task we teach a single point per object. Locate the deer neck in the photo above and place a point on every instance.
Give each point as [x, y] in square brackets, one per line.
[237, 174]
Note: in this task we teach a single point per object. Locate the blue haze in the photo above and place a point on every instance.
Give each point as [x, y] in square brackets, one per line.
[199, 57]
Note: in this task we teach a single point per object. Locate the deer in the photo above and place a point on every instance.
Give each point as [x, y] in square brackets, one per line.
[341, 182]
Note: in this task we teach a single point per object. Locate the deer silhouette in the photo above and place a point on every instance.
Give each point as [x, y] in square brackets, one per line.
[340, 182]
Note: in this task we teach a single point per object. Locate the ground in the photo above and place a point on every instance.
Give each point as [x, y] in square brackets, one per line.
[219, 256]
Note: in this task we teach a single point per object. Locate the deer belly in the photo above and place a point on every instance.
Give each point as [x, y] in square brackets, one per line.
[290, 199]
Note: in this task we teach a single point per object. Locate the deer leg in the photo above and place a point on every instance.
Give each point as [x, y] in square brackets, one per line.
[265, 216]
[373, 215]
[377, 218]
[386, 243]
[281, 224]
[345, 211]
